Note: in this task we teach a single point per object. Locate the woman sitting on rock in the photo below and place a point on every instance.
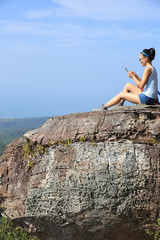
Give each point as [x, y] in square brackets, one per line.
[134, 93]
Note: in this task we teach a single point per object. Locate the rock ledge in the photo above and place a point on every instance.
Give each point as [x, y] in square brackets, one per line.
[86, 176]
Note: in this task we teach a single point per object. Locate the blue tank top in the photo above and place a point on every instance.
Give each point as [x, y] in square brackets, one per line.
[151, 87]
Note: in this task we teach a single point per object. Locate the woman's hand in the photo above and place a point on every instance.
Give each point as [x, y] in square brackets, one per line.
[131, 74]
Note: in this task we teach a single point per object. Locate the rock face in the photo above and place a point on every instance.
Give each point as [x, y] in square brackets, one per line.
[86, 176]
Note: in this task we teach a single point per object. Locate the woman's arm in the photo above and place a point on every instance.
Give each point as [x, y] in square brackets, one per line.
[137, 77]
[141, 82]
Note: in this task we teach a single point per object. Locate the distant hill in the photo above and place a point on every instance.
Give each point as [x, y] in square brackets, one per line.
[11, 129]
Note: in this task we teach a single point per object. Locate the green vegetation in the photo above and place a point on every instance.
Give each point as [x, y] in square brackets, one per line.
[93, 140]
[68, 141]
[83, 139]
[31, 151]
[156, 232]
[8, 231]
[60, 141]
[11, 129]
[156, 140]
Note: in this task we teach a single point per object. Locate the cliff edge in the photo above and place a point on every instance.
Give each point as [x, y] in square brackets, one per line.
[86, 176]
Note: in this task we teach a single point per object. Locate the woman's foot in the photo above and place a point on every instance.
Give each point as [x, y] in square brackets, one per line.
[101, 108]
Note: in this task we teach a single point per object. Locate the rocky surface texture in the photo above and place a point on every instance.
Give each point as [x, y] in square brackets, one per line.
[86, 176]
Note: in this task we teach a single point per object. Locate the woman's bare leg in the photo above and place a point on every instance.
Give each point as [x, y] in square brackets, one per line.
[131, 97]
[129, 87]
[130, 93]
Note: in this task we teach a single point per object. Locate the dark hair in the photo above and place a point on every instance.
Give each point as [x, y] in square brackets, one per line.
[150, 53]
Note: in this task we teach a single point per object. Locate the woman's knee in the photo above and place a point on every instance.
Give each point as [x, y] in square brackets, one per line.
[128, 86]
[120, 95]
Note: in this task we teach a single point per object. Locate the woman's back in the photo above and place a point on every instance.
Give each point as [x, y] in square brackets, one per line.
[151, 87]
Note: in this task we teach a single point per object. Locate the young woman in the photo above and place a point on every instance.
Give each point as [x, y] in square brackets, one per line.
[134, 93]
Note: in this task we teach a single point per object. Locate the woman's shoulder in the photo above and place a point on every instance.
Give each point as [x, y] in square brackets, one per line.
[150, 67]
[148, 71]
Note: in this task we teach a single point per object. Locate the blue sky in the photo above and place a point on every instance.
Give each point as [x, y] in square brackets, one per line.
[65, 56]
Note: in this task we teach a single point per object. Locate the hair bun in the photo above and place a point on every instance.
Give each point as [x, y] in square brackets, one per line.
[152, 53]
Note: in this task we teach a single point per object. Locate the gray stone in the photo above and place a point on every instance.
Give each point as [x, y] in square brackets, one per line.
[98, 179]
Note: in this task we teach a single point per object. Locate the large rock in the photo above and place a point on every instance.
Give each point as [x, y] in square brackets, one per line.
[86, 176]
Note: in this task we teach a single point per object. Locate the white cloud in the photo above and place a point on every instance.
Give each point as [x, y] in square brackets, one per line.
[109, 10]
[39, 14]
[78, 33]
[41, 29]
[65, 31]
[102, 10]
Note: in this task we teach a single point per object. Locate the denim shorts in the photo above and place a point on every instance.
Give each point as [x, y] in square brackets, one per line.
[146, 100]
